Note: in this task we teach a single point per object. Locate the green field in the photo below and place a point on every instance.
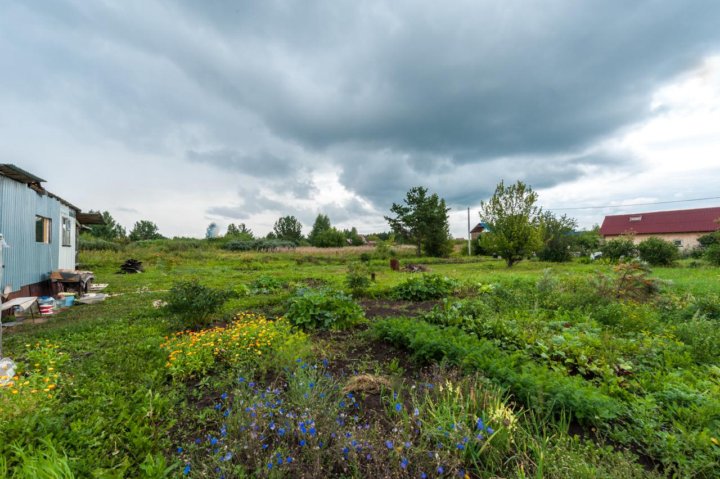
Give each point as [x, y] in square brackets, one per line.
[468, 370]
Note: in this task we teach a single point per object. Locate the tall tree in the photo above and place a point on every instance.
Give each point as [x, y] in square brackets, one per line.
[288, 228]
[145, 230]
[558, 237]
[321, 225]
[513, 221]
[110, 231]
[423, 220]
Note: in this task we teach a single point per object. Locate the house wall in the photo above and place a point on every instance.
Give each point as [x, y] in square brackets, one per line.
[687, 240]
[26, 261]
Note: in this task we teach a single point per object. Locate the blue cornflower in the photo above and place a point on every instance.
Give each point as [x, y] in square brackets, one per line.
[224, 396]
[348, 434]
[490, 430]
[303, 429]
[270, 465]
[251, 384]
[226, 413]
[197, 441]
[460, 446]
[440, 469]
[312, 431]
[407, 444]
[264, 446]
[272, 425]
[289, 459]
[479, 425]
[213, 441]
[423, 475]
[186, 471]
[179, 450]
[312, 385]
[325, 362]
[342, 403]
[298, 360]
[218, 406]
[389, 444]
[345, 451]
[404, 463]
[227, 456]
[302, 442]
[281, 431]
[398, 407]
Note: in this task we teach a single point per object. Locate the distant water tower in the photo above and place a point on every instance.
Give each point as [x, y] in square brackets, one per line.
[212, 231]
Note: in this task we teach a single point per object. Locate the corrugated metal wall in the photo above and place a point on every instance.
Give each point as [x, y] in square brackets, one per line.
[26, 261]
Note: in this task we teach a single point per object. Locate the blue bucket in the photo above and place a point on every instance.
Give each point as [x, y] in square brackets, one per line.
[69, 300]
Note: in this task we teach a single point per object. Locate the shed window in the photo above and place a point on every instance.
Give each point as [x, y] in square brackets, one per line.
[43, 229]
[66, 232]
[677, 243]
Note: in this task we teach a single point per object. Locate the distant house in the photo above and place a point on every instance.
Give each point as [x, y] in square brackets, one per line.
[682, 227]
[40, 233]
[477, 230]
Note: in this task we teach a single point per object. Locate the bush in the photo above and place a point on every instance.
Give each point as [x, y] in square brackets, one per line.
[358, 278]
[265, 285]
[425, 287]
[312, 309]
[657, 252]
[618, 249]
[713, 254]
[194, 303]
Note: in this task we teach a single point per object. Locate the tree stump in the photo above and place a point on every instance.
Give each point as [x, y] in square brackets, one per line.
[395, 264]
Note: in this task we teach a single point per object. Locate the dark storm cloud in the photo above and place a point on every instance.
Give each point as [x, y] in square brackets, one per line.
[391, 94]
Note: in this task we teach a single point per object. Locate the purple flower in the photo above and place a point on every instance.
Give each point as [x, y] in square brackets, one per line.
[416, 412]
[404, 463]
[490, 430]
[460, 446]
[423, 475]
[389, 444]
[241, 379]
[440, 469]
[227, 456]
[407, 445]
[479, 425]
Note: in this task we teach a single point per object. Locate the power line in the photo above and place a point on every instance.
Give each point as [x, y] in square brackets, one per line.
[634, 204]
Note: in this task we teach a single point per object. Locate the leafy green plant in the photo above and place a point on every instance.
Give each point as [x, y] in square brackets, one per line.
[194, 303]
[617, 249]
[265, 285]
[358, 278]
[712, 254]
[657, 251]
[312, 309]
[424, 287]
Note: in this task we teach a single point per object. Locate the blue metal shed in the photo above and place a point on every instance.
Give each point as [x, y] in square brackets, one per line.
[40, 229]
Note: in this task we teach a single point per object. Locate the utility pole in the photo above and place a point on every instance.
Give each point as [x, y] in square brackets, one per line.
[469, 240]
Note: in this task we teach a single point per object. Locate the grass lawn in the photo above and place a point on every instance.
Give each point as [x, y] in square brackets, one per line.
[541, 370]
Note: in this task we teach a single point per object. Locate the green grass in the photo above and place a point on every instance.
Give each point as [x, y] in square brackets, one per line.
[117, 413]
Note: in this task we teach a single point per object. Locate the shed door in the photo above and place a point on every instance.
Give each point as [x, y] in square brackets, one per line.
[66, 258]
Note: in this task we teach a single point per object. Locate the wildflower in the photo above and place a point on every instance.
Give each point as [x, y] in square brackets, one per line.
[312, 431]
[423, 475]
[407, 444]
[389, 444]
[398, 407]
[460, 446]
[479, 425]
[302, 442]
[490, 430]
[186, 470]
[179, 450]
[404, 463]
[224, 396]
[213, 441]
[227, 456]
[312, 385]
[241, 379]
[270, 465]
[289, 460]
[416, 412]
[440, 469]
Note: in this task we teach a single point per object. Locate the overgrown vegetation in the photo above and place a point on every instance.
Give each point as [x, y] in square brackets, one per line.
[576, 370]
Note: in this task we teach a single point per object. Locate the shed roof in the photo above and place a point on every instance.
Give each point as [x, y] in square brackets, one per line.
[479, 228]
[699, 220]
[18, 174]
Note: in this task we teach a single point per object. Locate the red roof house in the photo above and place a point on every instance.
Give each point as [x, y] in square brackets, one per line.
[683, 227]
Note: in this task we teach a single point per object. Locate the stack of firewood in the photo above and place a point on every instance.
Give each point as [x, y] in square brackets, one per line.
[131, 266]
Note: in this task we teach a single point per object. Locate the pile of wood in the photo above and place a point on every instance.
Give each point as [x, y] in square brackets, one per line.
[131, 266]
[415, 268]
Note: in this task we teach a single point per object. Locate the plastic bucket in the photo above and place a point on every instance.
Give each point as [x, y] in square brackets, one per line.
[69, 300]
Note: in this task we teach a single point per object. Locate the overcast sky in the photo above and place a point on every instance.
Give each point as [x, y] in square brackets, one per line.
[189, 112]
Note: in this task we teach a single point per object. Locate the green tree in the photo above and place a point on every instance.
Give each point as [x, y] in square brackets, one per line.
[331, 238]
[321, 225]
[145, 230]
[110, 231]
[558, 237]
[621, 248]
[288, 228]
[588, 242]
[239, 232]
[513, 221]
[353, 236]
[422, 220]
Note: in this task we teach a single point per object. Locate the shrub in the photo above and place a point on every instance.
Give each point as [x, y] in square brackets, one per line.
[709, 239]
[195, 303]
[631, 282]
[265, 285]
[312, 309]
[617, 249]
[713, 254]
[657, 252]
[424, 287]
[358, 278]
